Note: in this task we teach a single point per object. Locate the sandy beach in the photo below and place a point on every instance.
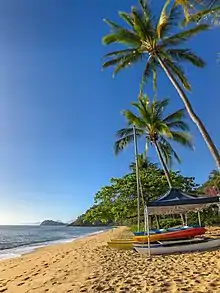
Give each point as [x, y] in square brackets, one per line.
[88, 265]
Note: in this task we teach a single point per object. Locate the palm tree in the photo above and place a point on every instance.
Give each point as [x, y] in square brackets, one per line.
[143, 163]
[158, 130]
[156, 41]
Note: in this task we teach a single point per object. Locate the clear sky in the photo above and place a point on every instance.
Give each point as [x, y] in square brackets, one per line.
[59, 112]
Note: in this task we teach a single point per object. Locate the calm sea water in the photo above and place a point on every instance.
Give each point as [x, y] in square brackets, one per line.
[18, 240]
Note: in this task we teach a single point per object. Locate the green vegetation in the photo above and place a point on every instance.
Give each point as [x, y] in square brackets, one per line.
[116, 204]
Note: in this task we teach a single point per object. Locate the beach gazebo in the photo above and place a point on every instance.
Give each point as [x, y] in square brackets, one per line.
[176, 201]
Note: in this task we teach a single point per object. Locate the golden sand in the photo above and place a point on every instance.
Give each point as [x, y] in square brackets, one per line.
[88, 265]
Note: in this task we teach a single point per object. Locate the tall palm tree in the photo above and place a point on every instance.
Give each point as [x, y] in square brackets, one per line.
[156, 45]
[158, 130]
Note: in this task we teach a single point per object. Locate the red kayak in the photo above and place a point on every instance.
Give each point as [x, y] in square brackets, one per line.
[179, 234]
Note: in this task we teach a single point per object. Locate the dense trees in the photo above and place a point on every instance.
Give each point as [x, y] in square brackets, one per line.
[118, 201]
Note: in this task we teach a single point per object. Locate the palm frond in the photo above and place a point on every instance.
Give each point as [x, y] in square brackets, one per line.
[121, 53]
[145, 7]
[171, 20]
[201, 14]
[183, 138]
[139, 24]
[126, 136]
[160, 106]
[165, 130]
[183, 36]
[113, 25]
[176, 116]
[124, 60]
[150, 71]
[127, 61]
[168, 152]
[124, 132]
[142, 106]
[187, 6]
[178, 71]
[122, 36]
[127, 18]
[133, 119]
[163, 20]
[122, 143]
[186, 55]
[178, 125]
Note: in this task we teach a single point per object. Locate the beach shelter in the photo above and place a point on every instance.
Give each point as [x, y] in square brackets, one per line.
[175, 201]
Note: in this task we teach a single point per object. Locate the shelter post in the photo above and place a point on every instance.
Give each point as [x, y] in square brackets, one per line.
[186, 217]
[148, 230]
[137, 176]
[199, 218]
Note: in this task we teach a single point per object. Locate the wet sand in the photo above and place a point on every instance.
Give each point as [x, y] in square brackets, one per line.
[88, 265]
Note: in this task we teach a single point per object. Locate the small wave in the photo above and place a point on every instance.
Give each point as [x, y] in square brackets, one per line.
[19, 251]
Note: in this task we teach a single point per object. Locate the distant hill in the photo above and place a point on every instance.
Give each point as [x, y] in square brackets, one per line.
[52, 223]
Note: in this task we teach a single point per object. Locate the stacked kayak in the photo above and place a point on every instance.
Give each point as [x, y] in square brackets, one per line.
[186, 233]
[172, 240]
[181, 246]
[175, 240]
[121, 244]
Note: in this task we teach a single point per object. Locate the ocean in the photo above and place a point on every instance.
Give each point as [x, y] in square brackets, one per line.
[18, 240]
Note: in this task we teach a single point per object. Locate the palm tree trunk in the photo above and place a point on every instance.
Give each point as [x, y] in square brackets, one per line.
[192, 114]
[163, 164]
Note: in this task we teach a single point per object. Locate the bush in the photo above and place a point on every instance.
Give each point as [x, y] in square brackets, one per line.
[163, 223]
[170, 222]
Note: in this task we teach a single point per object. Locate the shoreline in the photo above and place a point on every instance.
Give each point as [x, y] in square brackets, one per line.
[57, 268]
[19, 251]
[89, 265]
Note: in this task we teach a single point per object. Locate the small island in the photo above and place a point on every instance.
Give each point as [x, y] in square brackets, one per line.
[52, 223]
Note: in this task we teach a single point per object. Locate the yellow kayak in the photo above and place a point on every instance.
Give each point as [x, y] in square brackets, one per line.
[122, 244]
[153, 238]
[122, 240]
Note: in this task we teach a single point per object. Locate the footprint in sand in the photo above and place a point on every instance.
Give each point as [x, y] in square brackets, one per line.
[20, 284]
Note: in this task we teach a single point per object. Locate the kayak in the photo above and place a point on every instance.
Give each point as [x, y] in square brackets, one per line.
[172, 242]
[121, 244]
[178, 234]
[206, 245]
[159, 231]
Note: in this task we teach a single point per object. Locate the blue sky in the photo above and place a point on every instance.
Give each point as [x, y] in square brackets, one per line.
[59, 111]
